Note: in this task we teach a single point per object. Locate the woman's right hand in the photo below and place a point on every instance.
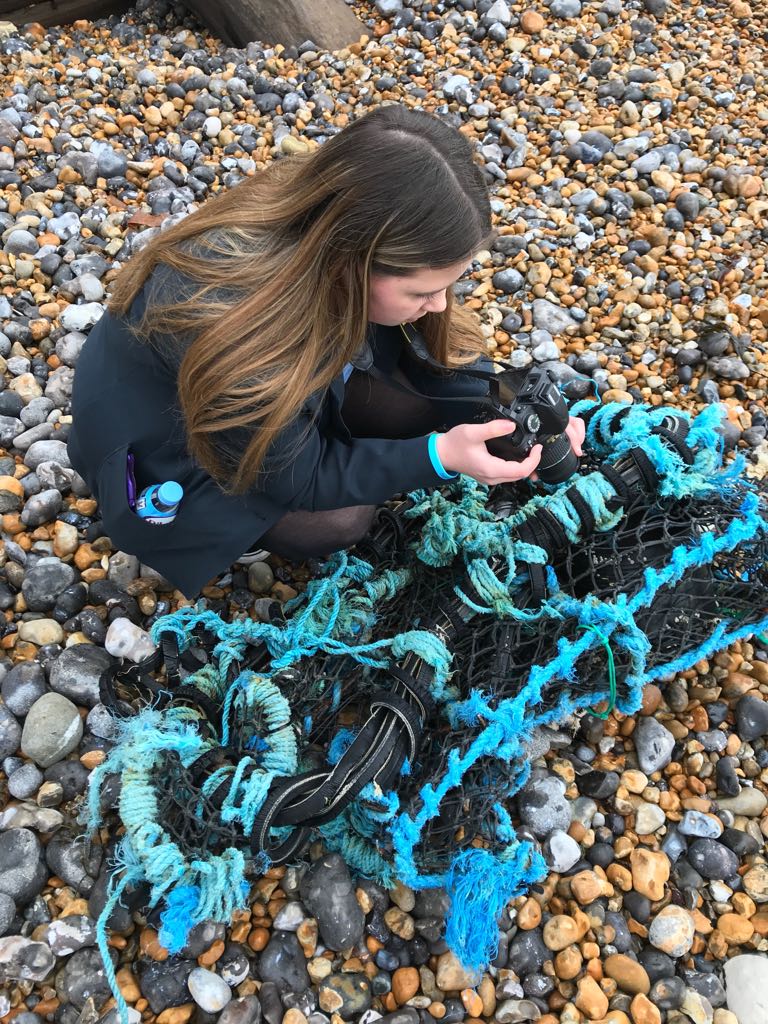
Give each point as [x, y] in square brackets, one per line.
[462, 450]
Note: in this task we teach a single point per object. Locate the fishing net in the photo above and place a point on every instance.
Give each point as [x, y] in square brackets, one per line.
[391, 708]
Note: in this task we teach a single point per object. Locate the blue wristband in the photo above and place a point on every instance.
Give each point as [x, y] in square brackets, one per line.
[439, 468]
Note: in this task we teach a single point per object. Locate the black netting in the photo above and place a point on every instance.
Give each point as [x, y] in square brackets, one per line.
[490, 655]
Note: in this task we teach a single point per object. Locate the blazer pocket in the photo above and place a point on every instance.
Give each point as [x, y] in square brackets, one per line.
[126, 529]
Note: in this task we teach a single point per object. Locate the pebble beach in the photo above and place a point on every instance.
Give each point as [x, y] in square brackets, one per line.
[624, 143]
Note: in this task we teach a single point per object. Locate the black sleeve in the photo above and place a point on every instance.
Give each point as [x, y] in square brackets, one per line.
[305, 469]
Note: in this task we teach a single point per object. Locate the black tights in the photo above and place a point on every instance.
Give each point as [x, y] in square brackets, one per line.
[370, 409]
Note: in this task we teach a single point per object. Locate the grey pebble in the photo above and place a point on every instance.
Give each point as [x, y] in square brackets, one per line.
[43, 507]
[329, 895]
[164, 984]
[43, 583]
[543, 805]
[751, 718]
[22, 868]
[352, 990]
[47, 451]
[68, 934]
[53, 728]
[527, 952]
[208, 990]
[712, 859]
[246, 1010]
[561, 851]
[283, 962]
[289, 917]
[25, 781]
[100, 722]
[696, 823]
[68, 348]
[729, 367]
[83, 977]
[75, 861]
[21, 242]
[508, 281]
[550, 317]
[7, 913]
[23, 959]
[76, 673]
[10, 733]
[653, 744]
[82, 317]
[201, 938]
[565, 8]
[668, 993]
[517, 1011]
[36, 412]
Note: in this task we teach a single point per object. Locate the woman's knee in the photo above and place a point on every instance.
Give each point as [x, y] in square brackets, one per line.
[354, 524]
[315, 534]
[344, 527]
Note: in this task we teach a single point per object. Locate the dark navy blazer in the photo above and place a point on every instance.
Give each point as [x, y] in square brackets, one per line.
[125, 398]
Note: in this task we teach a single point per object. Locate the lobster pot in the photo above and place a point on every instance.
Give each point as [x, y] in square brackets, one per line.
[394, 708]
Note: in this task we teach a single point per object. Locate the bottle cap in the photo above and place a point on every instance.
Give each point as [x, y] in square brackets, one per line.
[170, 493]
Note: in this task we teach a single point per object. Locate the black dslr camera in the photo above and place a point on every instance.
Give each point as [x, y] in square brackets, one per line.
[531, 400]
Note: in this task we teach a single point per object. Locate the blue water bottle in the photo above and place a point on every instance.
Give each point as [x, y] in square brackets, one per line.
[159, 503]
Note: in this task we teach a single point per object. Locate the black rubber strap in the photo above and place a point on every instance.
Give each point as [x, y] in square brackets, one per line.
[360, 764]
[371, 550]
[457, 623]
[169, 647]
[191, 695]
[618, 418]
[138, 676]
[618, 483]
[553, 530]
[280, 851]
[411, 719]
[583, 511]
[279, 794]
[376, 754]
[534, 532]
[417, 691]
[648, 475]
[676, 441]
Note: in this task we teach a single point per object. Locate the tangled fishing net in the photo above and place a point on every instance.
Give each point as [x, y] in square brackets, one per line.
[390, 708]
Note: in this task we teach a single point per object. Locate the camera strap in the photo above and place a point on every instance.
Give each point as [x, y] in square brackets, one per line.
[420, 353]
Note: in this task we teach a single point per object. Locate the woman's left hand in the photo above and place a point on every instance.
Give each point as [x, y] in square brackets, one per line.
[576, 431]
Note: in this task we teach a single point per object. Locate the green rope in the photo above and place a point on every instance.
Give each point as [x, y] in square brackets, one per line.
[611, 672]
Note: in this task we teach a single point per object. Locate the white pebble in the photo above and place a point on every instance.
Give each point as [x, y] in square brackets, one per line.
[126, 640]
[208, 990]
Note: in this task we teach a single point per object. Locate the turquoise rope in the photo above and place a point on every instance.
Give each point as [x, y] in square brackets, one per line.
[114, 891]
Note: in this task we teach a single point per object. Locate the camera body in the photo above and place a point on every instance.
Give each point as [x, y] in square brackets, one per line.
[532, 402]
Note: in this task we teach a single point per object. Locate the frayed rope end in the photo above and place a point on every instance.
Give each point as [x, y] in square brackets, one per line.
[480, 884]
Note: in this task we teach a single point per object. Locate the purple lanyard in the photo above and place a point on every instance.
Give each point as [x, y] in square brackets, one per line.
[130, 480]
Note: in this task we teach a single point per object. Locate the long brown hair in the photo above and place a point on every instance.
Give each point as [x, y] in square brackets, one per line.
[282, 263]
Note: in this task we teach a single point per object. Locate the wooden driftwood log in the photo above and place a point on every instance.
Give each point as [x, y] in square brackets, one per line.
[328, 23]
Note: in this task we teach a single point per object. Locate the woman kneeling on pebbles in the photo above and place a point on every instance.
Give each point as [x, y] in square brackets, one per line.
[257, 353]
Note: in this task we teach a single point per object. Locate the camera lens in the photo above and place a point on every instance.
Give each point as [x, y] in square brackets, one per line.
[558, 461]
